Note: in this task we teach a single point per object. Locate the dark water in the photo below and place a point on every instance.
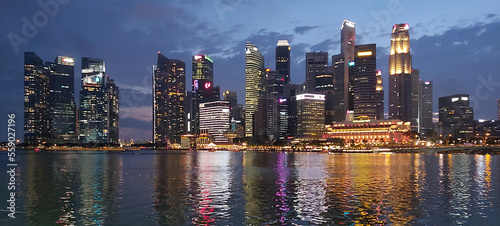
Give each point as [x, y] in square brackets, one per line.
[234, 188]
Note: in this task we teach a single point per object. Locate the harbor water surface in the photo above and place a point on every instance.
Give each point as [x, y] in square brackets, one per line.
[252, 188]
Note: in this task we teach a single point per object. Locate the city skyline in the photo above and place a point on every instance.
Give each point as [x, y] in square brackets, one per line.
[229, 66]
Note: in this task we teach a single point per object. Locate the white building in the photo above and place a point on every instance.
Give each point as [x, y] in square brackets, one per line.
[215, 117]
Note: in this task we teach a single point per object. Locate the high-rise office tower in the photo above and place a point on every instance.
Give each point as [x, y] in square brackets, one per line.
[498, 103]
[325, 85]
[214, 116]
[113, 111]
[277, 112]
[62, 112]
[401, 86]
[415, 98]
[339, 112]
[310, 115]
[36, 107]
[168, 108]
[93, 102]
[316, 64]
[364, 73]
[202, 87]
[232, 98]
[283, 59]
[341, 64]
[425, 107]
[254, 70]
[380, 96]
[456, 117]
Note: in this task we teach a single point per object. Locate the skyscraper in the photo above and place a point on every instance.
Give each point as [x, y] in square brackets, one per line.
[341, 63]
[93, 102]
[62, 112]
[498, 103]
[310, 115]
[400, 75]
[113, 111]
[380, 96]
[425, 107]
[325, 85]
[254, 69]
[364, 73]
[36, 107]
[316, 64]
[277, 109]
[202, 87]
[415, 98]
[168, 108]
[283, 59]
[456, 117]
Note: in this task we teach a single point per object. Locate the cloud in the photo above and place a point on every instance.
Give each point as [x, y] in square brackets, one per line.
[303, 29]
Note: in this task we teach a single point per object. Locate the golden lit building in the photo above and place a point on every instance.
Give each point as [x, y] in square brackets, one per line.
[369, 131]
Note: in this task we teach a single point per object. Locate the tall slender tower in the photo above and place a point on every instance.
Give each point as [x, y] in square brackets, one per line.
[347, 42]
[400, 74]
[93, 102]
[36, 109]
[283, 59]
[61, 100]
[365, 81]
[380, 96]
[425, 107]
[254, 69]
[341, 63]
[168, 102]
[202, 87]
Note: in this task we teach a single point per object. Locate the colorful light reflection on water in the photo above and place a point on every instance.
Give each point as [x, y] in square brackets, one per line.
[231, 188]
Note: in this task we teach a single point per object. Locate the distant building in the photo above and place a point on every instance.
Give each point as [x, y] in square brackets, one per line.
[62, 107]
[310, 115]
[456, 117]
[425, 107]
[168, 108]
[364, 73]
[283, 59]
[370, 131]
[401, 87]
[214, 116]
[325, 86]
[487, 131]
[113, 111]
[277, 108]
[380, 96]
[254, 69]
[202, 87]
[93, 102]
[36, 105]
[498, 103]
[316, 64]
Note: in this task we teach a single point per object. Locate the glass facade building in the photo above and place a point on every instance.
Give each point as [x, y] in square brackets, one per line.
[254, 72]
[310, 115]
[93, 116]
[365, 81]
[61, 100]
[168, 102]
[283, 59]
[36, 104]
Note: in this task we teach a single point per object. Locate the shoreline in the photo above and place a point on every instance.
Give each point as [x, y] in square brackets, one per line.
[494, 150]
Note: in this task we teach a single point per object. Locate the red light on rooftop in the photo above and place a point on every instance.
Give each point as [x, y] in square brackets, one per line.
[158, 52]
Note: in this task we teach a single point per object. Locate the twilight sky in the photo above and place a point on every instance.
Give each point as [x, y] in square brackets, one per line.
[454, 43]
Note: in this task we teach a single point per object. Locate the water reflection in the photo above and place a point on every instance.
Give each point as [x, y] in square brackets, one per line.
[227, 188]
